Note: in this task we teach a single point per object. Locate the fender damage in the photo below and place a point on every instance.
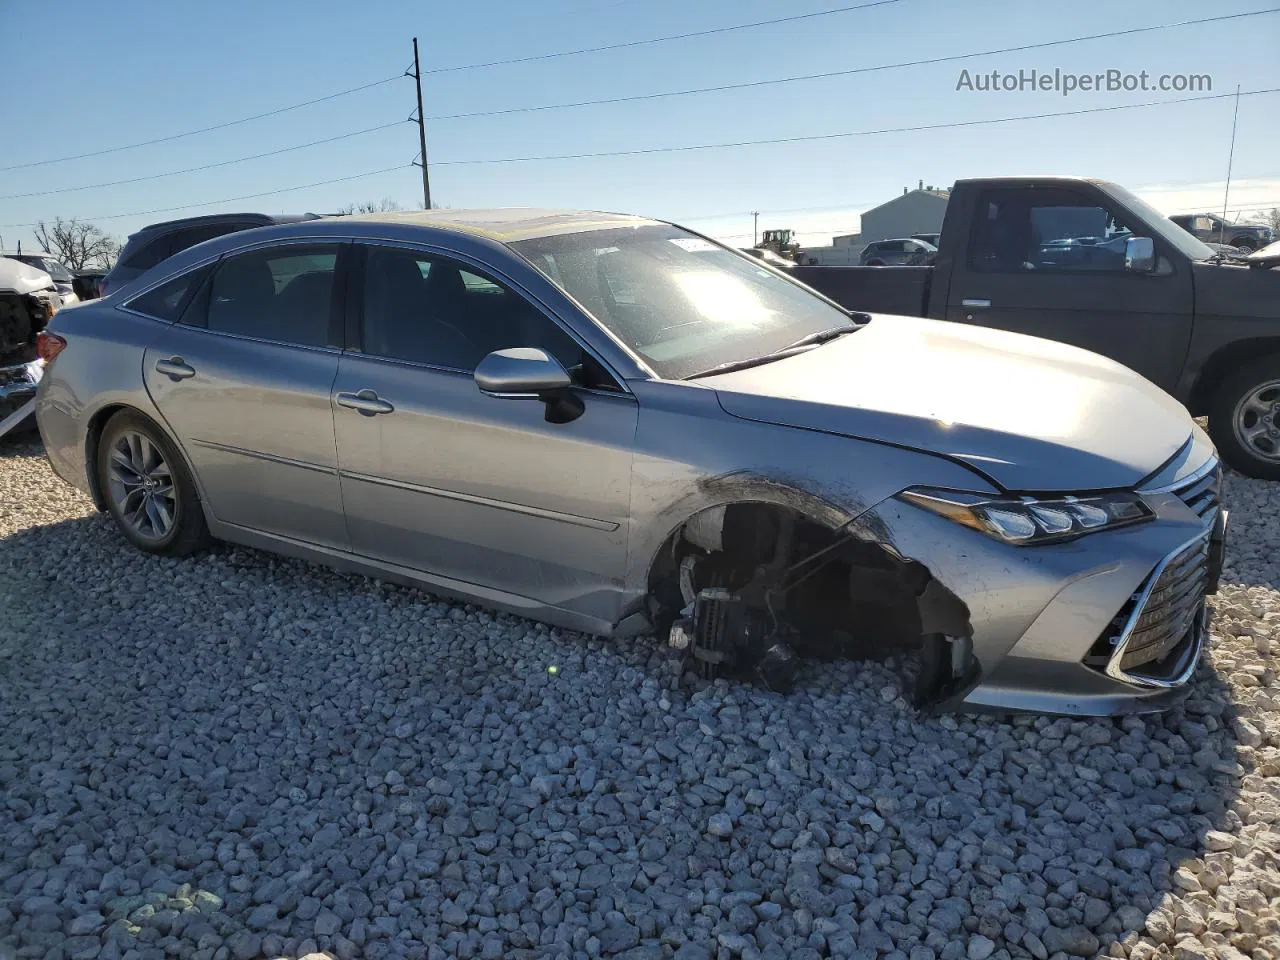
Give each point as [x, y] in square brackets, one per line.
[772, 574]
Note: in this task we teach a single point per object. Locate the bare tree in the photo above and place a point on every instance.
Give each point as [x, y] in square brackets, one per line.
[77, 244]
[380, 206]
[1271, 219]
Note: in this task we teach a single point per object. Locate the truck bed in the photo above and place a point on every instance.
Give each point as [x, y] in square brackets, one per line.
[900, 290]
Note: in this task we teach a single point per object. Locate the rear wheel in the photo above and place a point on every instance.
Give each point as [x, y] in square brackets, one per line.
[1245, 243]
[1244, 419]
[148, 489]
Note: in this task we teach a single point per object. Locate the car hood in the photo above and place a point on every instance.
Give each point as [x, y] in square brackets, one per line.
[1268, 256]
[1030, 414]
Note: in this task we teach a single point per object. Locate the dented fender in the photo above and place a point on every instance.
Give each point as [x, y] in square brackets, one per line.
[833, 480]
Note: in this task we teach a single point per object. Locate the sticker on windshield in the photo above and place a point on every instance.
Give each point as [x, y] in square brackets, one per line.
[693, 244]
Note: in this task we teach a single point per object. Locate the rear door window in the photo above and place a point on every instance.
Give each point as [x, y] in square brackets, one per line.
[167, 301]
[283, 293]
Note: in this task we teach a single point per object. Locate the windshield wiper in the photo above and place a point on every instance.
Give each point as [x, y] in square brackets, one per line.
[812, 340]
[821, 336]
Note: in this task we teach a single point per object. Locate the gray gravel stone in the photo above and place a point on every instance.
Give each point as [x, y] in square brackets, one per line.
[240, 756]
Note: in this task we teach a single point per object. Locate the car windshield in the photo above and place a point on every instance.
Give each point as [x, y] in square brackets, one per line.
[683, 303]
[1175, 236]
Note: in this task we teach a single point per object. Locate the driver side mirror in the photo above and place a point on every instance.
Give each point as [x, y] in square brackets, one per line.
[530, 373]
[1140, 255]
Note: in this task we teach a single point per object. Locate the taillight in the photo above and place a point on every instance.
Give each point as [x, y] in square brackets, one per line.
[49, 345]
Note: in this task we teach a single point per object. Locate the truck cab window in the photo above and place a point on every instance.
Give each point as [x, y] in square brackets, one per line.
[1054, 231]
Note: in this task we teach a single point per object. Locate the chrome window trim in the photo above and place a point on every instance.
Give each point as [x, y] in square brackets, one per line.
[1113, 669]
[517, 287]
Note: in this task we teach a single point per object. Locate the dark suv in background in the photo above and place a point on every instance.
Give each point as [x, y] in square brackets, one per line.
[159, 241]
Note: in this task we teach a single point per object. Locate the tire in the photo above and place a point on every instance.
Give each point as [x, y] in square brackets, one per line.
[1244, 403]
[1245, 243]
[875, 263]
[145, 482]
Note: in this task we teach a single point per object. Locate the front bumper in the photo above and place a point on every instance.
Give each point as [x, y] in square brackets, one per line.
[1110, 623]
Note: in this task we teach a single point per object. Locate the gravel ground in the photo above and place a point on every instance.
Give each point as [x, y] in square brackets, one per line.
[243, 756]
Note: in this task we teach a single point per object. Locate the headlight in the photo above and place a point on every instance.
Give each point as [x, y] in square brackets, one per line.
[1027, 522]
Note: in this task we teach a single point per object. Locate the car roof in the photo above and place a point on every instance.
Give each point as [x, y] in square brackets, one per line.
[164, 226]
[505, 224]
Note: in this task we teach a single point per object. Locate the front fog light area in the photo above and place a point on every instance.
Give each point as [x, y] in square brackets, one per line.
[1028, 521]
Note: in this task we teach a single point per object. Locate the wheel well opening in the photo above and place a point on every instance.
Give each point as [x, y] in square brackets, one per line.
[93, 436]
[1225, 362]
[748, 588]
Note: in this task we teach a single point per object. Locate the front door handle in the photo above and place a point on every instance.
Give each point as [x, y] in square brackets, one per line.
[976, 302]
[367, 402]
[175, 368]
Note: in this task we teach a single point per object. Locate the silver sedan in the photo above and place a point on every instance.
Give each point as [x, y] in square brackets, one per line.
[616, 425]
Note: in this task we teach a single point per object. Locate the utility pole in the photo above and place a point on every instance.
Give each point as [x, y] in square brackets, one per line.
[755, 227]
[422, 128]
[1231, 154]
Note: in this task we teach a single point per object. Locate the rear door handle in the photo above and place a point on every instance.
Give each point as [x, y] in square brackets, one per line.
[367, 402]
[976, 302]
[175, 368]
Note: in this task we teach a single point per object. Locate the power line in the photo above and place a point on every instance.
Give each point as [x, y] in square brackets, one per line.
[840, 136]
[192, 133]
[750, 84]
[245, 196]
[207, 166]
[452, 69]
[627, 44]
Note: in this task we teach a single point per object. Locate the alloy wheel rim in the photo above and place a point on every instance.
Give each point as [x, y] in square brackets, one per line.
[1257, 421]
[141, 486]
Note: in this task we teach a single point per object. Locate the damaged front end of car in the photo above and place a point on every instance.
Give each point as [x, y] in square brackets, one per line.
[28, 301]
[751, 589]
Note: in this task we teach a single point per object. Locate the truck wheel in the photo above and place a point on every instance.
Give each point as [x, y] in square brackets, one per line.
[1245, 243]
[1244, 419]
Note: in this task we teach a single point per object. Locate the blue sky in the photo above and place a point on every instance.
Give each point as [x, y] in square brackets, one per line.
[150, 69]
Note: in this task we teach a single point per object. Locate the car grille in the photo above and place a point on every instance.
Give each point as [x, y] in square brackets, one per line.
[1149, 638]
[1203, 493]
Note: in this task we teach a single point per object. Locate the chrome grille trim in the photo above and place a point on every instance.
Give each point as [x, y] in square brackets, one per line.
[1168, 613]
[1201, 491]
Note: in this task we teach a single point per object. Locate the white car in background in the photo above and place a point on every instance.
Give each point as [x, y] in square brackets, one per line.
[55, 268]
[28, 301]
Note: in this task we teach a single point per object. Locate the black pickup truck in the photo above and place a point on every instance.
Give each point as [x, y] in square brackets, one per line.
[1088, 263]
